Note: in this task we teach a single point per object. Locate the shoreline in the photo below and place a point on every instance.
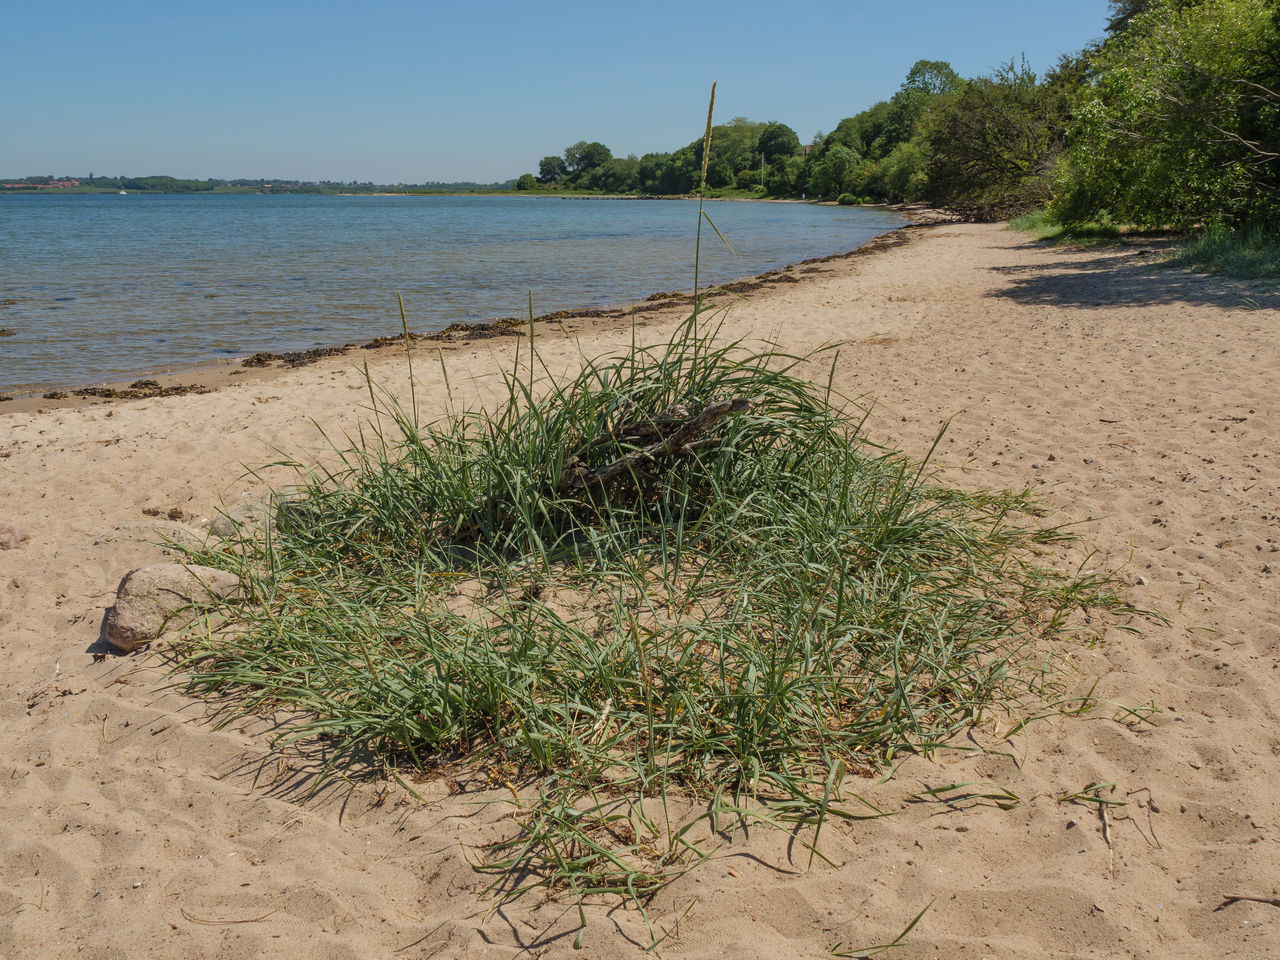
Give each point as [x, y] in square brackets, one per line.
[210, 375]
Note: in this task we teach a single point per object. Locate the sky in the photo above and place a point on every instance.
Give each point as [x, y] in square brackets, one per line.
[412, 92]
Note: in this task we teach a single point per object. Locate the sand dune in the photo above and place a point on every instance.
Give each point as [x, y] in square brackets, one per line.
[1141, 399]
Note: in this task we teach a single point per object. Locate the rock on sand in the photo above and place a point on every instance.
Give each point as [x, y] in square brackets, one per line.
[152, 598]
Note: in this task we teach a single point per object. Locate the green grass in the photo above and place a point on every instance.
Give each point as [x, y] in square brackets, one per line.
[1037, 224]
[1249, 252]
[723, 633]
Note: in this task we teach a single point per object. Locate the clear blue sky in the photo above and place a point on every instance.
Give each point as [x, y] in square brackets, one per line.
[409, 92]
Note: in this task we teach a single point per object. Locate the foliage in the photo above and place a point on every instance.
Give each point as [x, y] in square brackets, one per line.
[1124, 11]
[581, 157]
[864, 132]
[991, 149]
[931, 77]
[552, 170]
[526, 182]
[777, 142]
[903, 174]
[1252, 252]
[668, 173]
[835, 171]
[736, 148]
[928, 83]
[615, 175]
[782, 179]
[1180, 125]
[167, 185]
[886, 139]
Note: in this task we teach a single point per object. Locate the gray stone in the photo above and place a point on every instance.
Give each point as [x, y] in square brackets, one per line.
[151, 599]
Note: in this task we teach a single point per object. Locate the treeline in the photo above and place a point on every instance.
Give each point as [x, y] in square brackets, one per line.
[1172, 119]
[164, 184]
[743, 155]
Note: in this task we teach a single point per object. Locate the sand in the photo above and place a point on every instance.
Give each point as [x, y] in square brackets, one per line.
[1137, 398]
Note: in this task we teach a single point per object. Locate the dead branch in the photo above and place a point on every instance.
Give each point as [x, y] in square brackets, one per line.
[674, 438]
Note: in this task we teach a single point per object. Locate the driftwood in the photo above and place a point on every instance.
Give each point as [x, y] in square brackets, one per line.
[674, 429]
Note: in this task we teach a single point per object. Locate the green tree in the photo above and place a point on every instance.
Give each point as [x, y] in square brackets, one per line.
[931, 77]
[653, 172]
[781, 179]
[526, 182]
[573, 157]
[777, 141]
[903, 174]
[834, 173]
[586, 156]
[991, 148]
[863, 131]
[551, 170]
[615, 175]
[1180, 125]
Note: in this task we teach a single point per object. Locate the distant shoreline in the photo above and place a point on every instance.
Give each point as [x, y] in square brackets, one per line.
[532, 194]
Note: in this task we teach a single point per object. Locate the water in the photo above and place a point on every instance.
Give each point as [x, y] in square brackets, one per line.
[100, 288]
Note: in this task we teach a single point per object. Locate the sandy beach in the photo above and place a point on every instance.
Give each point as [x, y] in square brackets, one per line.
[1140, 401]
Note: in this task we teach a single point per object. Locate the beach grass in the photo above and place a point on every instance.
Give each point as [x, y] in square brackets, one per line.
[1040, 227]
[722, 633]
[1251, 252]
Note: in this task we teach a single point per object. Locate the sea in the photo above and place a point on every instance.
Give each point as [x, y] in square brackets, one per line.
[102, 288]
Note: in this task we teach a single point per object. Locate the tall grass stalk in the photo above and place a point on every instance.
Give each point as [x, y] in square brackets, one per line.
[723, 635]
[702, 189]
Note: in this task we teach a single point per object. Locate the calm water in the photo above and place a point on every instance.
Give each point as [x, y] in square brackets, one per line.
[99, 288]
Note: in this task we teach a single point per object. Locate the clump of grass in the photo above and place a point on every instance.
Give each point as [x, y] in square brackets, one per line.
[1041, 227]
[1251, 252]
[727, 632]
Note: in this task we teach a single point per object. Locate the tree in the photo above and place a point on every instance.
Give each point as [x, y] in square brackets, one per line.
[991, 149]
[583, 156]
[931, 77]
[551, 170]
[864, 131]
[777, 141]
[526, 182]
[1124, 11]
[834, 173]
[1180, 125]
[573, 157]
[928, 83]
[903, 174]
[668, 173]
[782, 178]
[594, 155]
[615, 175]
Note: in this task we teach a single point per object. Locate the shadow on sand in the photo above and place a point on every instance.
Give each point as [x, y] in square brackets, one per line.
[1119, 277]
